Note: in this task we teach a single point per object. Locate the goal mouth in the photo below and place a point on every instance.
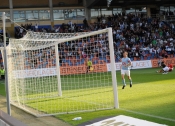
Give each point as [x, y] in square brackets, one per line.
[49, 75]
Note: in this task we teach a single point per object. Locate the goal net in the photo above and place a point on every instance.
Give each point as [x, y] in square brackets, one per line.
[43, 35]
[49, 76]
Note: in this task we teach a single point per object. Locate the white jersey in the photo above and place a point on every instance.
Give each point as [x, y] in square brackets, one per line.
[125, 62]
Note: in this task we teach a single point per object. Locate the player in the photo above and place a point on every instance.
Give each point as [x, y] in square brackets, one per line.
[89, 65]
[125, 69]
[159, 62]
[165, 69]
[2, 71]
[170, 67]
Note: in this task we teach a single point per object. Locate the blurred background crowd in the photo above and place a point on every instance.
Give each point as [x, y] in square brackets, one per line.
[143, 38]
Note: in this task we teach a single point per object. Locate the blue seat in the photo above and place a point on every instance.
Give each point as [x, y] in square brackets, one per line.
[77, 57]
[116, 60]
[82, 61]
[63, 60]
[70, 64]
[169, 53]
[132, 58]
[101, 58]
[96, 62]
[149, 57]
[147, 52]
[77, 63]
[152, 55]
[142, 58]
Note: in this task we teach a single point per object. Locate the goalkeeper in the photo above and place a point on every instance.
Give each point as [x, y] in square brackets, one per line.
[89, 65]
[2, 71]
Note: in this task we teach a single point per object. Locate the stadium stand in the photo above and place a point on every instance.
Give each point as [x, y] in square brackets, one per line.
[143, 38]
[145, 32]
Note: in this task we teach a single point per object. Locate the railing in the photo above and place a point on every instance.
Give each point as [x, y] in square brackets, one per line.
[170, 18]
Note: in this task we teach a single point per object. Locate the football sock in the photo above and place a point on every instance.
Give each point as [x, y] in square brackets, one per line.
[130, 81]
[124, 84]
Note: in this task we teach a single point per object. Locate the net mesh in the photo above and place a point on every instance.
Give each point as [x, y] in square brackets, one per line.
[43, 35]
[56, 76]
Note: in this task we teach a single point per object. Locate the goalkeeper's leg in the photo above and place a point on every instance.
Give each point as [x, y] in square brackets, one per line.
[88, 68]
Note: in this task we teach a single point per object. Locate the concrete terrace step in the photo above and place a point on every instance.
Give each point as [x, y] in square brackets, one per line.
[31, 120]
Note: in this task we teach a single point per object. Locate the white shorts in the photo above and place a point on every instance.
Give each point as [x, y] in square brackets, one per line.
[166, 69]
[127, 72]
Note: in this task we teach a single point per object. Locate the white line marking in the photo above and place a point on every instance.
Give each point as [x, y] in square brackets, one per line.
[149, 115]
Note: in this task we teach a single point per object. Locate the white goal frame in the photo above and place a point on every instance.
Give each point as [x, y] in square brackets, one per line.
[55, 43]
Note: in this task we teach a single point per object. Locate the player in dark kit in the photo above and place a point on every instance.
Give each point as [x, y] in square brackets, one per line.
[165, 68]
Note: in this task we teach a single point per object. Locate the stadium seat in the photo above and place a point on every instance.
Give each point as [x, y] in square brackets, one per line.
[77, 57]
[145, 57]
[77, 63]
[99, 61]
[116, 60]
[149, 58]
[142, 58]
[101, 58]
[147, 52]
[82, 61]
[95, 62]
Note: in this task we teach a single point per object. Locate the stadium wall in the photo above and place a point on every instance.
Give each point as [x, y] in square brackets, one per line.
[31, 3]
[68, 70]
[38, 3]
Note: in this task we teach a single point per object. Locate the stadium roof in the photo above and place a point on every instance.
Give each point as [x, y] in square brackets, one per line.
[127, 3]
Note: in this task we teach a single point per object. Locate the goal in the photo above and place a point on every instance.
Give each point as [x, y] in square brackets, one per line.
[64, 74]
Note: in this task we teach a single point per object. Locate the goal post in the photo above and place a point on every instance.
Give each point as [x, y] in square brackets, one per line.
[58, 70]
[113, 71]
[65, 75]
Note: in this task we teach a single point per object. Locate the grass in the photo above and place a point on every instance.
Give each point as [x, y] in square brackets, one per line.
[107, 113]
[152, 93]
[80, 93]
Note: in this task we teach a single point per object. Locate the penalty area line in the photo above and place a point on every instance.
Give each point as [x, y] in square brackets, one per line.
[149, 115]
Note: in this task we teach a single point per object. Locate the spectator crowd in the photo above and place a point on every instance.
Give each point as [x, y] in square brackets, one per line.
[143, 38]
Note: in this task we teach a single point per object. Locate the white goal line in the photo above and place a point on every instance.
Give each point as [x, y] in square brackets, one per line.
[149, 115]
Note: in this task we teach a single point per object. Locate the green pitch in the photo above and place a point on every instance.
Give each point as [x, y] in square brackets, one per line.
[152, 96]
